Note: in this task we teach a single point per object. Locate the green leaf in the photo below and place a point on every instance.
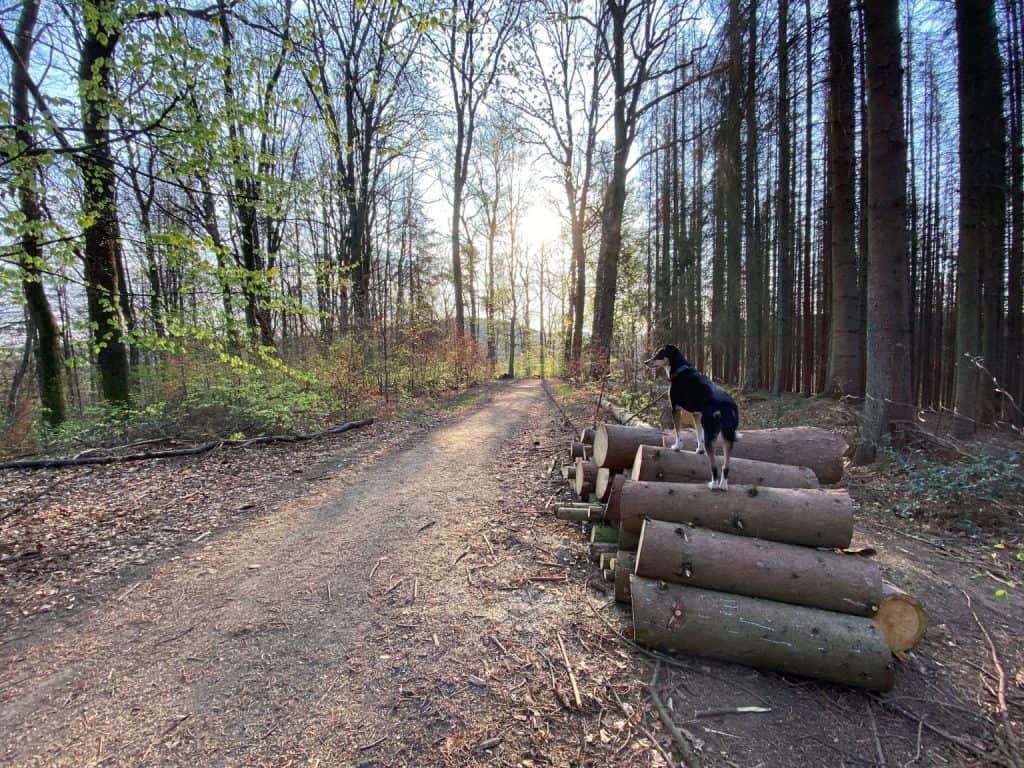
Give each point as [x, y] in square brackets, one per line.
[1001, 594]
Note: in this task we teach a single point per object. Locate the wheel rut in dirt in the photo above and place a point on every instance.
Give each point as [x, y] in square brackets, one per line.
[265, 647]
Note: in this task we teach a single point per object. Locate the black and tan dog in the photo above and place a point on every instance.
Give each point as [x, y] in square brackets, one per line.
[713, 411]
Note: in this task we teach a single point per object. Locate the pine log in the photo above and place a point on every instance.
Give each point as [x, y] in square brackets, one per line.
[603, 483]
[601, 548]
[609, 574]
[628, 540]
[587, 436]
[580, 514]
[741, 565]
[604, 560]
[787, 638]
[624, 564]
[569, 471]
[902, 619]
[615, 446]
[668, 466]
[807, 517]
[579, 450]
[820, 450]
[614, 494]
[586, 474]
[604, 533]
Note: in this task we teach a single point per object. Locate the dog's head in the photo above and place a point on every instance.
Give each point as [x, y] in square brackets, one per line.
[667, 357]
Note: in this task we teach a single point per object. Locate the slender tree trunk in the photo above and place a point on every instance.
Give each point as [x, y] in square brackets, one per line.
[982, 182]
[889, 394]
[101, 251]
[754, 326]
[784, 313]
[733, 198]
[42, 325]
[847, 337]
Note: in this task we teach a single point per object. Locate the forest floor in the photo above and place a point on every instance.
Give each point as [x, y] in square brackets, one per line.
[401, 595]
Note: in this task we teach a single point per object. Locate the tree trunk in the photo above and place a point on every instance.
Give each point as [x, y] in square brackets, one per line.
[615, 446]
[784, 312]
[791, 639]
[603, 483]
[803, 517]
[847, 338]
[755, 276]
[820, 450]
[101, 251]
[982, 212]
[624, 564]
[586, 476]
[901, 618]
[889, 392]
[742, 565]
[42, 325]
[668, 466]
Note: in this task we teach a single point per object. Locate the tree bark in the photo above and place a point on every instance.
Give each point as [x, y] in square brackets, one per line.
[792, 639]
[847, 337]
[101, 251]
[982, 212]
[615, 446]
[624, 564]
[668, 466]
[889, 388]
[42, 328]
[803, 517]
[586, 476]
[820, 450]
[743, 565]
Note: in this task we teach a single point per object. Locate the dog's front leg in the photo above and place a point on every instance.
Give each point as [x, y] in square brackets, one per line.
[677, 417]
[698, 431]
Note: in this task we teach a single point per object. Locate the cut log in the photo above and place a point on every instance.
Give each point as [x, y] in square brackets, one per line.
[624, 564]
[613, 495]
[609, 574]
[615, 446]
[786, 573]
[820, 450]
[604, 561]
[568, 471]
[808, 517]
[586, 474]
[601, 548]
[579, 450]
[604, 533]
[628, 540]
[787, 638]
[580, 514]
[587, 436]
[668, 466]
[603, 483]
[902, 619]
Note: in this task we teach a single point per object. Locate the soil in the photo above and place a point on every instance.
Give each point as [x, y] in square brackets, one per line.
[405, 599]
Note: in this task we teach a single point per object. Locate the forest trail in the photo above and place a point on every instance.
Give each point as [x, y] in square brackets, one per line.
[301, 639]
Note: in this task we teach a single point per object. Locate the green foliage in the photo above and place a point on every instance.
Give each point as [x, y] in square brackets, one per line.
[958, 486]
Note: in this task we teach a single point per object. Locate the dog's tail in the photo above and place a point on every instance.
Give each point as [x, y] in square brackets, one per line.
[729, 417]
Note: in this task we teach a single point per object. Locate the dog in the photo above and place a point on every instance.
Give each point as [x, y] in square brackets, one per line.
[713, 411]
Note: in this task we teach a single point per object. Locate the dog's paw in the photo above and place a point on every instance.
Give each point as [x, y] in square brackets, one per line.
[723, 485]
[713, 485]
[700, 450]
[677, 445]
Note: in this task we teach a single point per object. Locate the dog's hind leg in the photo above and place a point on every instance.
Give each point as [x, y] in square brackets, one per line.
[713, 462]
[723, 485]
[698, 430]
[677, 417]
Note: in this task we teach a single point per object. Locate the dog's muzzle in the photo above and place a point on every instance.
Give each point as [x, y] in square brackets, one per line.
[653, 363]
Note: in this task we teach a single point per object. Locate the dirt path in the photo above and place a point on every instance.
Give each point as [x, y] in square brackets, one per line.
[411, 610]
[254, 649]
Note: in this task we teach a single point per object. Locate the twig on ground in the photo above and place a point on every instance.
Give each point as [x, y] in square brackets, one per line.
[689, 756]
[879, 752]
[572, 675]
[1009, 737]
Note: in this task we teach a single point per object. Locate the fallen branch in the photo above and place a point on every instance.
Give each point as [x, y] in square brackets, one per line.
[689, 756]
[177, 452]
[572, 675]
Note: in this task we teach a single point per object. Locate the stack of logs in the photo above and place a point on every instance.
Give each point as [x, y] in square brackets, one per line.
[760, 575]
